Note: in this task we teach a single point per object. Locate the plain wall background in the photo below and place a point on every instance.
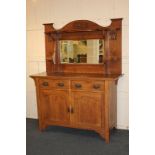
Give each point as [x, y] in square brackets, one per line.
[61, 12]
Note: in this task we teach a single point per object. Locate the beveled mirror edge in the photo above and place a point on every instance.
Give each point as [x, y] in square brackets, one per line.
[84, 52]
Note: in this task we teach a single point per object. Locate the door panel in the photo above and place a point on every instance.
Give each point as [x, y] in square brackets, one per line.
[87, 107]
[55, 104]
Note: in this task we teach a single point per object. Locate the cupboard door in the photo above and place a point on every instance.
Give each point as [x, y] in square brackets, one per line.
[87, 109]
[55, 105]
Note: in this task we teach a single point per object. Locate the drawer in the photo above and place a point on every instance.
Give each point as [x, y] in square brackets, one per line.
[60, 84]
[80, 85]
[45, 83]
[97, 85]
[53, 84]
[87, 85]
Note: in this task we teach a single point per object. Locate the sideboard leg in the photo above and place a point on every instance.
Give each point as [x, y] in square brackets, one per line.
[107, 137]
[42, 126]
[101, 134]
[107, 140]
[114, 128]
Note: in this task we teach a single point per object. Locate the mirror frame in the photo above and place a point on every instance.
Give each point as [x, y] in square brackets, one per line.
[81, 30]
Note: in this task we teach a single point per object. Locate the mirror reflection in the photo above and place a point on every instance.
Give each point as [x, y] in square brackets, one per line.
[89, 51]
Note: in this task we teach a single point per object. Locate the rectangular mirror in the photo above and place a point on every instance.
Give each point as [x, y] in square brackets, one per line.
[90, 51]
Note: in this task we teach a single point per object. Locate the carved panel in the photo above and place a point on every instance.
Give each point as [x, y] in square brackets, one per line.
[80, 26]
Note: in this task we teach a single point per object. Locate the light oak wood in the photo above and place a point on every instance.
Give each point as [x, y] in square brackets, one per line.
[80, 95]
[55, 106]
[87, 107]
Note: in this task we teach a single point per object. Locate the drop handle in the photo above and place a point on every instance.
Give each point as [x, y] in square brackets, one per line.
[72, 110]
[68, 109]
[96, 86]
[45, 84]
[60, 84]
[78, 85]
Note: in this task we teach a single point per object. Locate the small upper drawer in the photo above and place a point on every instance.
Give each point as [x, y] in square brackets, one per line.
[87, 85]
[80, 85]
[53, 83]
[45, 83]
[97, 85]
[60, 84]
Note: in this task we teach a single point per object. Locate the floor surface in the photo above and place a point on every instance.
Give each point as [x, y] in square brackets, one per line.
[66, 141]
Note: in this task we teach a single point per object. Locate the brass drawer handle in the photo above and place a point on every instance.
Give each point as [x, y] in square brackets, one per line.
[78, 85]
[60, 84]
[96, 86]
[45, 84]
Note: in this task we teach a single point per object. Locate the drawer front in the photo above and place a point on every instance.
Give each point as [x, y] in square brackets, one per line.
[53, 84]
[75, 84]
[87, 85]
[97, 85]
[45, 83]
[60, 84]
[80, 85]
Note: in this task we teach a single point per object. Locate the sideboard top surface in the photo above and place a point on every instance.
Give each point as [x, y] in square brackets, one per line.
[78, 75]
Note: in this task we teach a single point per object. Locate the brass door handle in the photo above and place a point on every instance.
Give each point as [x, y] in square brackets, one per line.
[45, 84]
[68, 109]
[72, 111]
[78, 85]
[60, 84]
[96, 86]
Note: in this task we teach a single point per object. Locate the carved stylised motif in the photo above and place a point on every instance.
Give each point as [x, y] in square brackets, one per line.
[80, 26]
[53, 36]
[113, 35]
